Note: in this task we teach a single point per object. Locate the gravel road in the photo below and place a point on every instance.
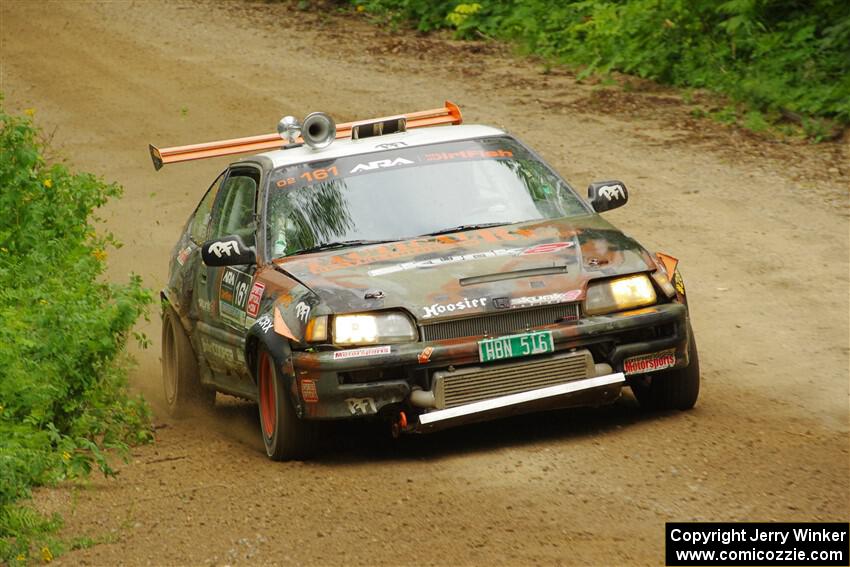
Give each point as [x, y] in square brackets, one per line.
[761, 229]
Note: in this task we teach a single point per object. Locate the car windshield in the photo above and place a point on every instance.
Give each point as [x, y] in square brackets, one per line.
[403, 193]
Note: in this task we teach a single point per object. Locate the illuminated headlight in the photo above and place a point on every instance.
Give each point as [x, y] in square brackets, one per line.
[372, 329]
[619, 294]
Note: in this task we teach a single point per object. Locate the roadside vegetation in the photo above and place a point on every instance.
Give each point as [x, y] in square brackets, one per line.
[63, 369]
[782, 64]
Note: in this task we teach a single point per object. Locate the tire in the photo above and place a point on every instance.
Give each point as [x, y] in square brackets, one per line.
[182, 387]
[285, 436]
[672, 389]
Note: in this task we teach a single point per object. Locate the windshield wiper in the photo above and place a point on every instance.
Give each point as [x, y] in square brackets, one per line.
[464, 227]
[340, 244]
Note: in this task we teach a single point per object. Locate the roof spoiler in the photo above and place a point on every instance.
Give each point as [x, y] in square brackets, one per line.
[448, 114]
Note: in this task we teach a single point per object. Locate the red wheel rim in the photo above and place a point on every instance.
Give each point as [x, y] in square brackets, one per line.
[268, 407]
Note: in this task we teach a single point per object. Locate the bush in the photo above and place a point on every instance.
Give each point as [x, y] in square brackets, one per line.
[63, 397]
[781, 57]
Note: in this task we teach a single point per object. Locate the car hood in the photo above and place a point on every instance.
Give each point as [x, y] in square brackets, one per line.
[461, 274]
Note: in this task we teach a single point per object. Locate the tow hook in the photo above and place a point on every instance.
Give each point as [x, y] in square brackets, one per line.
[399, 424]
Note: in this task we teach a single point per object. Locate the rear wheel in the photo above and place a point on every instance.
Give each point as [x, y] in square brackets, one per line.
[285, 436]
[180, 375]
[672, 389]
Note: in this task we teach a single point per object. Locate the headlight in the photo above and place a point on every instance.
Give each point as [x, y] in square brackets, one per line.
[372, 329]
[619, 294]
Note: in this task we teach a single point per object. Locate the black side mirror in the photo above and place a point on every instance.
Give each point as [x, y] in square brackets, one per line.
[227, 251]
[607, 195]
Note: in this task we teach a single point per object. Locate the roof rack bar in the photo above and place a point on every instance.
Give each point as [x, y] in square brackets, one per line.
[448, 114]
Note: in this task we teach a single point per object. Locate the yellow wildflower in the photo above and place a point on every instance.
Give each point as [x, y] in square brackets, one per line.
[66, 456]
[46, 556]
[361, 8]
[21, 558]
[99, 254]
[48, 183]
[43, 301]
[29, 111]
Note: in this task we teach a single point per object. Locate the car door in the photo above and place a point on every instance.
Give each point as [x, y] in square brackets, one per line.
[224, 290]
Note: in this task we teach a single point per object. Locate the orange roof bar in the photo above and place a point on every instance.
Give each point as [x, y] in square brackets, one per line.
[449, 114]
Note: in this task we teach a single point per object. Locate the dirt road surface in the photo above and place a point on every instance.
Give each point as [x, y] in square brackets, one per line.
[761, 229]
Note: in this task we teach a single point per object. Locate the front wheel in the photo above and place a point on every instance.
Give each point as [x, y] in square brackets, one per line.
[285, 436]
[672, 389]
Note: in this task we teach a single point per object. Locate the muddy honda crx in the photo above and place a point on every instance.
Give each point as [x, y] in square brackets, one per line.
[427, 276]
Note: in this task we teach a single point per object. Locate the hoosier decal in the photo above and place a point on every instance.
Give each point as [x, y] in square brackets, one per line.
[465, 303]
[650, 362]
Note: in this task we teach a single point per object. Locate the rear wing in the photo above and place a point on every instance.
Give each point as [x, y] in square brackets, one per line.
[448, 114]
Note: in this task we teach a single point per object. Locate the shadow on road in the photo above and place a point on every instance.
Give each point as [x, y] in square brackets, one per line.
[355, 442]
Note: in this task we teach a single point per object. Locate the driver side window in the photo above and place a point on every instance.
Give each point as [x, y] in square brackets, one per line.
[200, 223]
[234, 212]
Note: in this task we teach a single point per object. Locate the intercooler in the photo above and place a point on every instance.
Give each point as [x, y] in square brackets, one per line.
[467, 385]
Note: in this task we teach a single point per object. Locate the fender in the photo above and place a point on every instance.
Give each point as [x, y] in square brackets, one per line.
[262, 333]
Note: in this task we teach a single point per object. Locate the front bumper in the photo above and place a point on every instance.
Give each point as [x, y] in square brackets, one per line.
[382, 383]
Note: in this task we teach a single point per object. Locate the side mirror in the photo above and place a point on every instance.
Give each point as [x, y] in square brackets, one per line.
[227, 251]
[607, 195]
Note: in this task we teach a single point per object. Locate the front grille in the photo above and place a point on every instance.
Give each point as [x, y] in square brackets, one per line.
[469, 385]
[500, 323]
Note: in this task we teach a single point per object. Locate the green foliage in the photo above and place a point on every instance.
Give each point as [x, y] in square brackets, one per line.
[63, 397]
[775, 56]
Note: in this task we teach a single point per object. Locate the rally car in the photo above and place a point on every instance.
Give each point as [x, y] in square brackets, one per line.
[417, 270]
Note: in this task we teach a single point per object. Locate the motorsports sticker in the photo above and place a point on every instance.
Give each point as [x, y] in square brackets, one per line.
[361, 352]
[650, 362]
[233, 295]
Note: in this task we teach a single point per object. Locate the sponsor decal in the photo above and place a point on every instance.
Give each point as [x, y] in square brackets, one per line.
[679, 283]
[217, 350]
[183, 255]
[265, 322]
[465, 303]
[361, 352]
[379, 164]
[253, 306]
[361, 406]
[425, 356]
[224, 248]
[391, 145]
[302, 311]
[612, 192]
[650, 362]
[233, 295]
[549, 299]
[309, 393]
[502, 252]
[204, 305]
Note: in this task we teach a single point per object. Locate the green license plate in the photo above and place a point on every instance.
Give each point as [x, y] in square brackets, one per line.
[513, 346]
